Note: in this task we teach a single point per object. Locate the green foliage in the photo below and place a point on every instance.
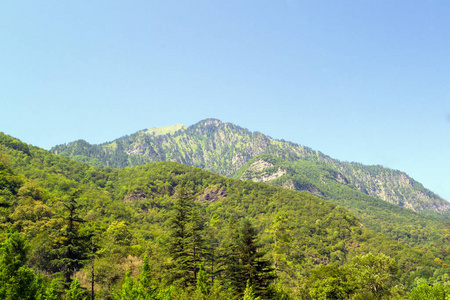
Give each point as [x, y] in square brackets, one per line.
[424, 291]
[202, 282]
[71, 247]
[331, 282]
[17, 281]
[52, 291]
[131, 212]
[12, 143]
[75, 292]
[128, 290]
[248, 293]
[366, 277]
[374, 274]
[246, 262]
[186, 246]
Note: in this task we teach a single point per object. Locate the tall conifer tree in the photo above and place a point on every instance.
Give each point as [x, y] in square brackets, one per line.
[186, 246]
[72, 248]
[246, 262]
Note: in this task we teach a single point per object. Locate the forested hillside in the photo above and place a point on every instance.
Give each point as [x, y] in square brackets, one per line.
[320, 179]
[169, 231]
[224, 148]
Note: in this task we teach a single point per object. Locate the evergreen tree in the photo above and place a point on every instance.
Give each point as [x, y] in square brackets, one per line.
[186, 246]
[212, 253]
[249, 294]
[147, 289]
[129, 289]
[246, 262]
[202, 284]
[72, 247]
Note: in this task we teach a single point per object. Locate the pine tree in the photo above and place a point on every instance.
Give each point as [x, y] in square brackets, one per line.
[249, 294]
[147, 289]
[203, 287]
[72, 247]
[186, 246]
[246, 262]
[129, 289]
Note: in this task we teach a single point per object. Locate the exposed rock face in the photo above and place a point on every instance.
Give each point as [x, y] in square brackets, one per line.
[394, 187]
[268, 177]
[289, 184]
[212, 194]
[260, 171]
[260, 165]
[134, 196]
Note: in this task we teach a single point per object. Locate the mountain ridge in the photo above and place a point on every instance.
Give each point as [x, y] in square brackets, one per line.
[225, 148]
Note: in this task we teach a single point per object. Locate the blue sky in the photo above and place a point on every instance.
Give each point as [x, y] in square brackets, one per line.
[364, 81]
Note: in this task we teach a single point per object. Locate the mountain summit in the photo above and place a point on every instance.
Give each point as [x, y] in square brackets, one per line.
[230, 150]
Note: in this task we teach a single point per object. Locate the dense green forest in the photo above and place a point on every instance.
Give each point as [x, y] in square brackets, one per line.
[165, 230]
[224, 148]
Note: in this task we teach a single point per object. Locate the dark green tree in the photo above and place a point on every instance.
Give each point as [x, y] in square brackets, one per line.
[246, 262]
[72, 247]
[186, 241]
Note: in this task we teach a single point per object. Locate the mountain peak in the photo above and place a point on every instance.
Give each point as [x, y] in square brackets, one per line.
[210, 121]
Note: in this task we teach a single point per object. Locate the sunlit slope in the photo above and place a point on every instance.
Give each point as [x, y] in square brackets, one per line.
[224, 148]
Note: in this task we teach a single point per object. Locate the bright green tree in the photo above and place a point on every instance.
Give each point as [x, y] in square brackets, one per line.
[203, 286]
[282, 239]
[129, 289]
[374, 275]
[52, 291]
[330, 282]
[424, 291]
[17, 281]
[75, 292]
[249, 294]
[147, 288]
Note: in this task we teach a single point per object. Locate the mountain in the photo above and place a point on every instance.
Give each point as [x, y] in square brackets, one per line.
[225, 148]
[129, 210]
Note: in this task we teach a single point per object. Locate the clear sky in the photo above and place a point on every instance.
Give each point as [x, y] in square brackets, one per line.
[364, 81]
